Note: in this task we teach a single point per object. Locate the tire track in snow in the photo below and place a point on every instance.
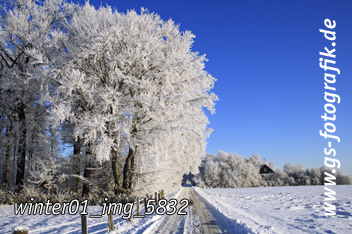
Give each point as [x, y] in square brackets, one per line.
[213, 221]
[209, 224]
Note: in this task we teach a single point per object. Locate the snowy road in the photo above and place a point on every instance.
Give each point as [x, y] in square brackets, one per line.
[201, 217]
[211, 221]
[178, 223]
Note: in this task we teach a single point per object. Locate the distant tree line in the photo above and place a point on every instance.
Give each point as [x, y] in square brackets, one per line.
[226, 170]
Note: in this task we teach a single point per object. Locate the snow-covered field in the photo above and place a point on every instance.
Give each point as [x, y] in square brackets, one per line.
[284, 209]
[247, 210]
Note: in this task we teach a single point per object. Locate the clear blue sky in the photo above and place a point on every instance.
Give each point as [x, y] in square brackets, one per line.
[265, 56]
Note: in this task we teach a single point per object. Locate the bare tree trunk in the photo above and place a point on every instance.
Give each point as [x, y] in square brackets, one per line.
[76, 164]
[14, 160]
[21, 149]
[33, 140]
[128, 170]
[131, 179]
[51, 183]
[6, 171]
[87, 172]
[116, 171]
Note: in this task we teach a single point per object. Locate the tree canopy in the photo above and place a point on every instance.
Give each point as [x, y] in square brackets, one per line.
[129, 85]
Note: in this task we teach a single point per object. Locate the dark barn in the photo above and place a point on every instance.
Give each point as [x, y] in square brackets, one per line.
[264, 169]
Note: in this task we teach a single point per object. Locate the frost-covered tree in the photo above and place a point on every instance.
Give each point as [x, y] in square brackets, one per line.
[315, 174]
[279, 178]
[299, 173]
[24, 60]
[129, 80]
[343, 178]
[226, 170]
